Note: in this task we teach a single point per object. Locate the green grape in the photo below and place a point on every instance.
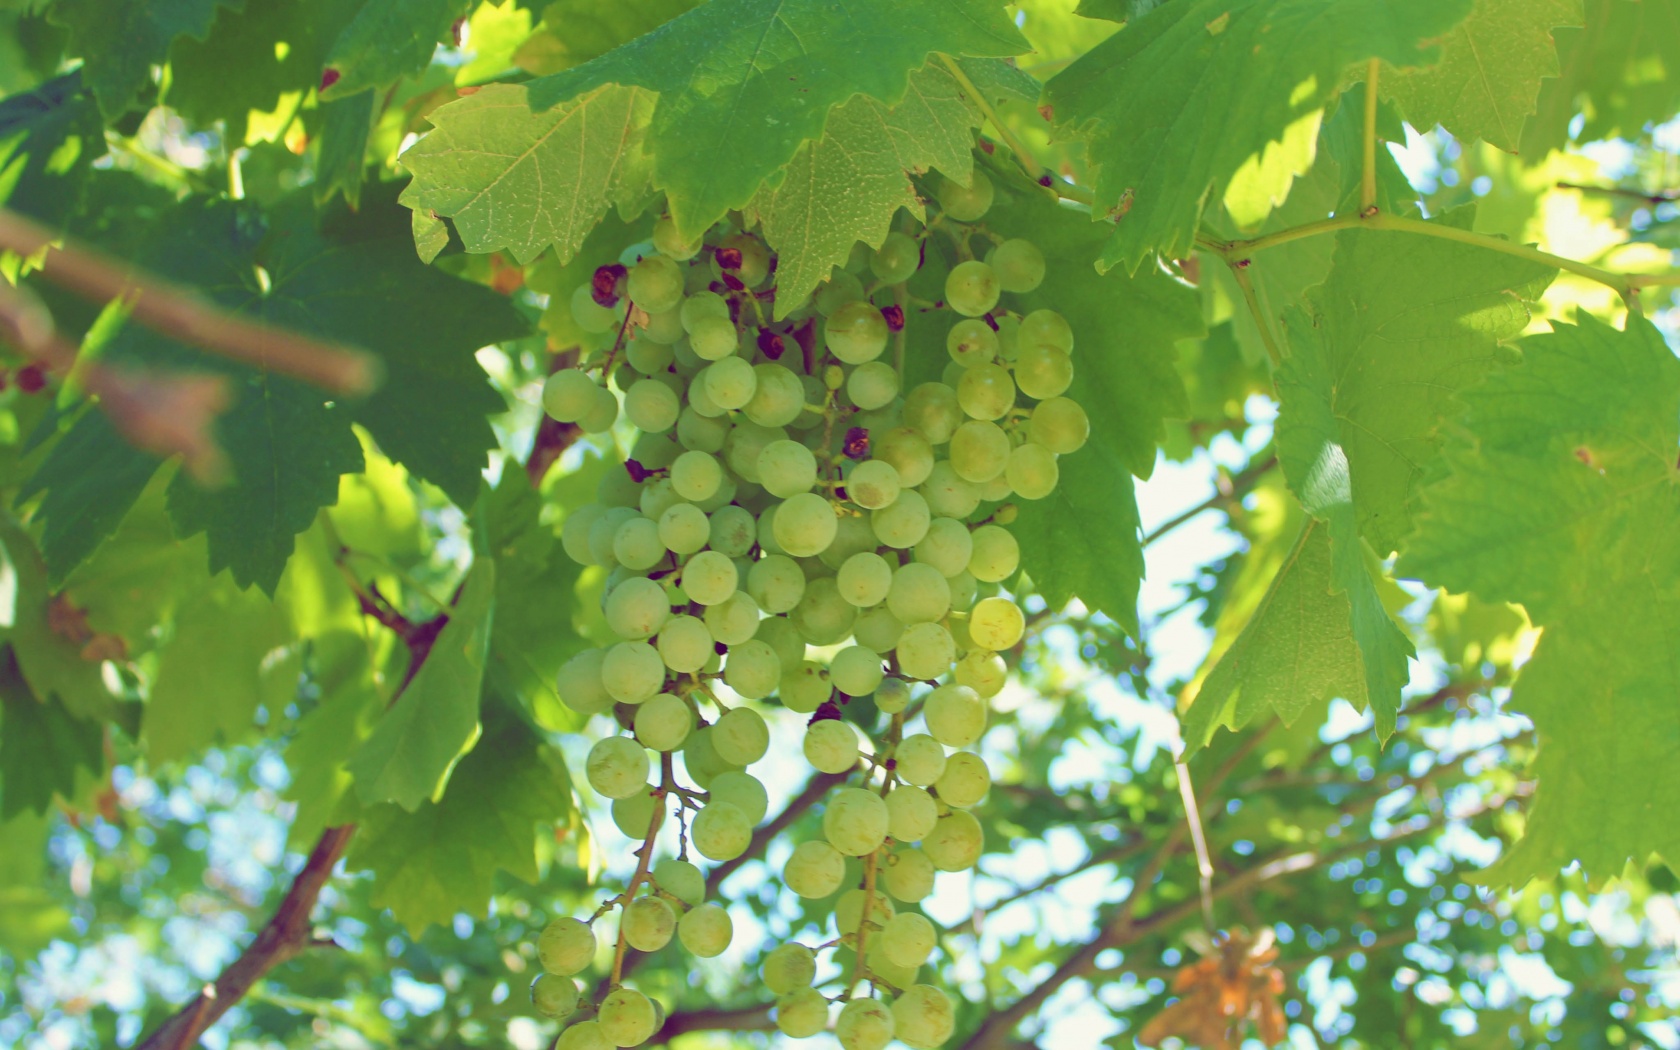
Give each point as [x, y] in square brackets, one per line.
[566, 946]
[585, 1035]
[948, 493]
[626, 1017]
[856, 821]
[934, 411]
[590, 315]
[656, 284]
[805, 525]
[745, 442]
[1060, 425]
[815, 869]
[878, 629]
[979, 451]
[778, 398]
[733, 620]
[805, 688]
[649, 923]
[730, 383]
[873, 484]
[637, 608]
[822, 617]
[701, 401]
[579, 683]
[925, 651]
[856, 332]
[788, 968]
[755, 259]
[996, 554]
[670, 242]
[856, 670]
[902, 524]
[733, 531]
[636, 544]
[633, 672]
[652, 406]
[740, 736]
[701, 305]
[840, 288]
[1046, 328]
[617, 489]
[996, 624]
[919, 594]
[683, 529]
[896, 259]
[983, 672]
[664, 722]
[971, 288]
[574, 532]
[681, 880]
[996, 490]
[706, 930]
[920, 759]
[1019, 265]
[908, 938]
[713, 338]
[720, 831]
[986, 392]
[971, 342]
[617, 767]
[947, 546]
[908, 875]
[865, 579]
[923, 1017]
[1043, 372]
[906, 450]
[965, 780]
[776, 583]
[685, 644]
[872, 385]
[786, 468]
[965, 203]
[743, 791]
[554, 996]
[601, 415]
[782, 636]
[951, 375]
[696, 475]
[657, 494]
[801, 1013]
[911, 813]
[848, 910]
[633, 815]
[1032, 471]
[568, 395]
[710, 577]
[852, 536]
[1009, 336]
[753, 671]
[865, 1024]
[697, 432]
[955, 714]
[702, 760]
[651, 354]
[889, 972]
[831, 746]
[955, 842]
[892, 695]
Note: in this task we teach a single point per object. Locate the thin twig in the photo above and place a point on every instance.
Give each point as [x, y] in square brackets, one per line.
[1198, 839]
[1032, 167]
[1230, 491]
[1368, 174]
[1658, 197]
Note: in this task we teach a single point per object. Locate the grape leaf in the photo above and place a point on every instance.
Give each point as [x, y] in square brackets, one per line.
[442, 859]
[521, 181]
[575, 31]
[345, 713]
[1191, 92]
[846, 186]
[121, 40]
[1561, 495]
[1621, 70]
[49, 139]
[51, 663]
[345, 125]
[1083, 539]
[41, 744]
[1488, 80]
[388, 40]
[408, 757]
[726, 118]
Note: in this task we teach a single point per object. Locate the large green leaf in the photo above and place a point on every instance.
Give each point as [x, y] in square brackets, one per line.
[121, 40]
[442, 859]
[575, 31]
[1083, 539]
[49, 139]
[388, 40]
[345, 713]
[41, 744]
[1621, 71]
[522, 181]
[1562, 496]
[846, 186]
[408, 757]
[742, 85]
[1488, 80]
[1178, 103]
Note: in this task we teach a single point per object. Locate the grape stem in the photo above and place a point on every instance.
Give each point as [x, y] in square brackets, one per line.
[859, 970]
[1031, 166]
[644, 859]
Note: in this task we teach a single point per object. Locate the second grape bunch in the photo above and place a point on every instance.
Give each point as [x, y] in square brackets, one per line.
[793, 531]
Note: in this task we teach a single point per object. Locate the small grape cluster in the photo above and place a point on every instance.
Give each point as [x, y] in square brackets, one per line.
[791, 532]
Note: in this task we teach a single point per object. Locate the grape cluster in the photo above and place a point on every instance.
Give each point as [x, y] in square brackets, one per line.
[793, 531]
